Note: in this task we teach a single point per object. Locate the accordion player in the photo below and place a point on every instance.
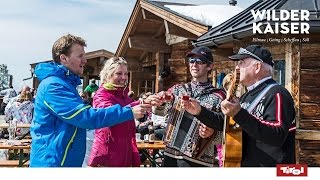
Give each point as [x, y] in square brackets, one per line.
[182, 137]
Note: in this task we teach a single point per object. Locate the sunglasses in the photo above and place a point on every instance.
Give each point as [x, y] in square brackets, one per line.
[244, 51]
[193, 60]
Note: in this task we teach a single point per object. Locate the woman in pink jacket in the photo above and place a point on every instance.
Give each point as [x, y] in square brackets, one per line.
[115, 146]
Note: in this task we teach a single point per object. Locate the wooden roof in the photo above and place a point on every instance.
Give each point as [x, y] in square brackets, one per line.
[148, 25]
[99, 53]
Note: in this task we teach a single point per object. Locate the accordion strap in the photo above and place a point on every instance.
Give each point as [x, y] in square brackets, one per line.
[187, 87]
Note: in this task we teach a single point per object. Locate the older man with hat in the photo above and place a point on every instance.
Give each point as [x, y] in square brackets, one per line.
[265, 113]
[200, 61]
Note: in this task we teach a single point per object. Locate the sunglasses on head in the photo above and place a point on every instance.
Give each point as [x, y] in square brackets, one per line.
[196, 60]
[115, 60]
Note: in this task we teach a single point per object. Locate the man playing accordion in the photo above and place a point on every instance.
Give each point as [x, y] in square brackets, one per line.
[208, 148]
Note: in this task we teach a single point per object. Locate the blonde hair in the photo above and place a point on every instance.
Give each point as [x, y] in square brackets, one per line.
[110, 66]
[25, 96]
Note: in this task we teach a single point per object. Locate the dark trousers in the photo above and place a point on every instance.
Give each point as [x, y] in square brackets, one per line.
[172, 162]
[159, 133]
[2, 108]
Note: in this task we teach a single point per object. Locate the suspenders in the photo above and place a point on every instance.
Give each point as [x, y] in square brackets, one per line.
[259, 97]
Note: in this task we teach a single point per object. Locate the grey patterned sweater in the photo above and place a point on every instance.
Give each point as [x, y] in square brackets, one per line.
[209, 97]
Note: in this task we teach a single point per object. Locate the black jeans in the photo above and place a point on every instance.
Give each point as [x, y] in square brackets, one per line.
[2, 108]
[172, 162]
[159, 133]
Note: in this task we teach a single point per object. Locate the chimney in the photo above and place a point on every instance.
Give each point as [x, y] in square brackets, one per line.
[233, 2]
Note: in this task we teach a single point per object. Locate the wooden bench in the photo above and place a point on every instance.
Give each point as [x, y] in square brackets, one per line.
[12, 163]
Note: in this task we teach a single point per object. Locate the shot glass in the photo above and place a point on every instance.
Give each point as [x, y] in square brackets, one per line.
[138, 137]
[186, 97]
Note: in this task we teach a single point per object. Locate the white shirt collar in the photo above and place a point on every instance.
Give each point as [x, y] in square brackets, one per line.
[258, 83]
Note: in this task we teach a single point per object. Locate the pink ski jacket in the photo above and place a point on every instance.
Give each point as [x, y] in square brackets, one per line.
[114, 146]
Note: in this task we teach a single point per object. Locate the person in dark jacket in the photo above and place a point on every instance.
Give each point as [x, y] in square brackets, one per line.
[269, 126]
[60, 120]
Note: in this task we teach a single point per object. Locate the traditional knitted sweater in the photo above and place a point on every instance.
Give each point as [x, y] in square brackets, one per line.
[209, 97]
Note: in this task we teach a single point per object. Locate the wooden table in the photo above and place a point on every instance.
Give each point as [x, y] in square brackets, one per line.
[155, 145]
[18, 145]
[145, 146]
[6, 125]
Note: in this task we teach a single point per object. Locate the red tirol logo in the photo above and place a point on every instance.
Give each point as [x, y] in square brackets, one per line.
[292, 170]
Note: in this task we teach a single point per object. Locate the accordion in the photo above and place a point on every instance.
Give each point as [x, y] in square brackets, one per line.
[182, 132]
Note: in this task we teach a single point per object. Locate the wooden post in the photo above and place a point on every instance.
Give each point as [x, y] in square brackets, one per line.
[85, 82]
[214, 78]
[292, 83]
[159, 67]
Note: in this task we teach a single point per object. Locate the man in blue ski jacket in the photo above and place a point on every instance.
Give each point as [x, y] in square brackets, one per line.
[61, 118]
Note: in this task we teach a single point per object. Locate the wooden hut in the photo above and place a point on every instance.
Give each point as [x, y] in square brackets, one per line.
[155, 42]
[297, 65]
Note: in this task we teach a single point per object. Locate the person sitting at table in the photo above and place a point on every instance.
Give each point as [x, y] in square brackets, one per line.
[116, 146]
[145, 121]
[7, 94]
[159, 123]
[24, 89]
[21, 111]
[4, 154]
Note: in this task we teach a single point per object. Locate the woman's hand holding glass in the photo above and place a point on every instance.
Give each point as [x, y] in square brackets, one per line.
[154, 100]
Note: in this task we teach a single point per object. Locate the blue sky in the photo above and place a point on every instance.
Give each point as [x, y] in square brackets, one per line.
[28, 28]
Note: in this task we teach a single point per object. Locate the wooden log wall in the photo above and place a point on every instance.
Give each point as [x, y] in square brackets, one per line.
[178, 65]
[221, 64]
[308, 133]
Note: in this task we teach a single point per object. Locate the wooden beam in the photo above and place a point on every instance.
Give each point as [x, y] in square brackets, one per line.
[292, 78]
[148, 64]
[178, 31]
[143, 55]
[85, 82]
[133, 64]
[173, 39]
[131, 26]
[98, 54]
[302, 134]
[191, 26]
[150, 17]
[160, 32]
[148, 44]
